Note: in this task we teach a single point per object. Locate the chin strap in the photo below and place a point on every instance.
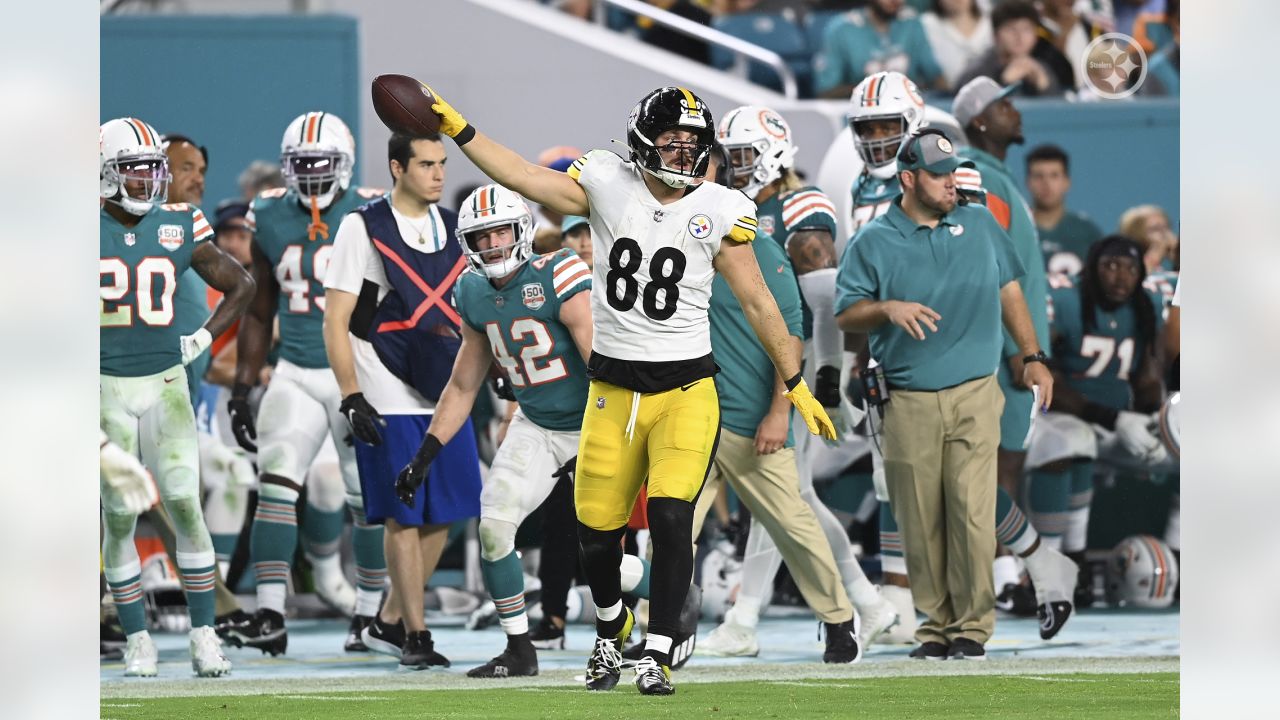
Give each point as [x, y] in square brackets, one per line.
[317, 226]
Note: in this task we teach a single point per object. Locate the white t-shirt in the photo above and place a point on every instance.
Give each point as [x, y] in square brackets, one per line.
[954, 51]
[354, 260]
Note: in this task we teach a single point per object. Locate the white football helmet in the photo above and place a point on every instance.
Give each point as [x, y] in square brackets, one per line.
[758, 141]
[1170, 425]
[133, 170]
[317, 156]
[1142, 572]
[490, 206]
[884, 96]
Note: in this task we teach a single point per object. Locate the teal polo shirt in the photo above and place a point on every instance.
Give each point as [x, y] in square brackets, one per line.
[746, 379]
[956, 268]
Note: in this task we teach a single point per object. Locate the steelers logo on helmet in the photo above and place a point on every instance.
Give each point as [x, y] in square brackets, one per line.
[133, 170]
[678, 159]
[495, 230]
[885, 108]
[758, 142]
[317, 157]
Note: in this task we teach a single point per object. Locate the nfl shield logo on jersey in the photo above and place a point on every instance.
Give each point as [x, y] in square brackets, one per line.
[533, 296]
[130, 239]
[700, 226]
[170, 237]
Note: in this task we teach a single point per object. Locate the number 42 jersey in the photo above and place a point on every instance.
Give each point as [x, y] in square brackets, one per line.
[653, 262]
[138, 271]
[536, 350]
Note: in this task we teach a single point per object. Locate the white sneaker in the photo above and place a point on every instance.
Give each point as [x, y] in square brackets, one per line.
[876, 620]
[332, 585]
[140, 655]
[904, 633]
[206, 653]
[730, 639]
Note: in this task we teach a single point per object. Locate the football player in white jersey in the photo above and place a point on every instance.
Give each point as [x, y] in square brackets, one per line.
[660, 234]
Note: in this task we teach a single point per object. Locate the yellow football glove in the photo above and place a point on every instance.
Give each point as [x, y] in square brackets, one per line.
[815, 417]
[451, 121]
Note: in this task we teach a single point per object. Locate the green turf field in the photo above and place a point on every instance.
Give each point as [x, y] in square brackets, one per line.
[1146, 695]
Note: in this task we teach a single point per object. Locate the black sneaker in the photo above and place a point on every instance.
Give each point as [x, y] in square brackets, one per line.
[263, 630]
[546, 636]
[382, 638]
[966, 649]
[1053, 615]
[683, 644]
[419, 652]
[1017, 599]
[930, 651]
[842, 643]
[519, 659]
[604, 667]
[653, 678]
[354, 642]
[222, 624]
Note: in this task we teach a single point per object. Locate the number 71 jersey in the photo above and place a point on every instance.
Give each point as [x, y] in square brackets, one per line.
[536, 350]
[138, 271]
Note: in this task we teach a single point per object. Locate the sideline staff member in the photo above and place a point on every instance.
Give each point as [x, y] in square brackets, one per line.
[931, 283]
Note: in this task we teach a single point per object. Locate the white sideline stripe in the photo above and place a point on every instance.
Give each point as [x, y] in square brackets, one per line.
[350, 698]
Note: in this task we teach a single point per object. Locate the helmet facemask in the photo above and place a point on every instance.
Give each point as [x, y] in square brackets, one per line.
[499, 262]
[880, 155]
[141, 181]
[316, 175]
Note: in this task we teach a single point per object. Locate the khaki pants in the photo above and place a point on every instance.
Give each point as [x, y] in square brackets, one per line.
[769, 485]
[940, 464]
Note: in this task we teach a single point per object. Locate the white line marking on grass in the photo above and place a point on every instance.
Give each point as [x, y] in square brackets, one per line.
[349, 698]
[800, 683]
[120, 705]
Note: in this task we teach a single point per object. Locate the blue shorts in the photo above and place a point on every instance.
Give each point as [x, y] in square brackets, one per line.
[452, 489]
[1015, 421]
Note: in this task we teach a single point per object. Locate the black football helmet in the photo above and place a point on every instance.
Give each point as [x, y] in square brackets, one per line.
[662, 110]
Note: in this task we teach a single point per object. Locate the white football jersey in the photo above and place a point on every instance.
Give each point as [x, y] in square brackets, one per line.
[651, 283]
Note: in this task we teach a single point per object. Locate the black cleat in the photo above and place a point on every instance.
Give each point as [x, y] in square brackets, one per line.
[966, 649]
[546, 636]
[1017, 599]
[842, 644]
[519, 659]
[1053, 615]
[222, 624]
[930, 651]
[354, 642]
[382, 638]
[653, 678]
[419, 652]
[683, 644]
[263, 630]
[604, 667]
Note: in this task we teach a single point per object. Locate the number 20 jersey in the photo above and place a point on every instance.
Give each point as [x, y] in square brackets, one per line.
[138, 271]
[536, 350]
[280, 223]
[653, 262]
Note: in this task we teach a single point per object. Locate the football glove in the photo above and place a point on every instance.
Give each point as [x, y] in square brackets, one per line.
[451, 121]
[415, 473]
[1133, 430]
[194, 344]
[124, 477]
[503, 389]
[815, 418]
[242, 426]
[363, 418]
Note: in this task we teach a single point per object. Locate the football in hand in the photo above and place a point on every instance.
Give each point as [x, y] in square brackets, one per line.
[404, 105]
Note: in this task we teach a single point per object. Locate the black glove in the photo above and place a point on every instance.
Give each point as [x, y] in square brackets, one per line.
[565, 471]
[364, 420]
[415, 473]
[826, 386]
[242, 426]
[502, 387]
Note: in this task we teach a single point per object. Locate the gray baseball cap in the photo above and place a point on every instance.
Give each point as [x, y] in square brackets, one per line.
[976, 96]
[930, 151]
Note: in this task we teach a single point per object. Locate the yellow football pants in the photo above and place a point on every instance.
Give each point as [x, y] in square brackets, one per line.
[669, 437]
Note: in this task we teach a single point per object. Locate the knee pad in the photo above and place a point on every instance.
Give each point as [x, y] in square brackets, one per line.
[670, 521]
[191, 533]
[600, 546]
[119, 525]
[180, 483]
[325, 489]
[497, 539]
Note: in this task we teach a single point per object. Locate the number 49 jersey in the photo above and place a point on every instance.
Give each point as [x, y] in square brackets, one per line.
[653, 267]
[138, 271]
[1100, 362]
[522, 322]
[299, 256]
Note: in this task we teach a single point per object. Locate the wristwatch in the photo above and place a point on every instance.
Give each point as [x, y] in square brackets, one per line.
[1038, 356]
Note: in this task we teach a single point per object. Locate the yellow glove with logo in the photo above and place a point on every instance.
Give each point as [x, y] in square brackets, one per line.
[815, 417]
[451, 121]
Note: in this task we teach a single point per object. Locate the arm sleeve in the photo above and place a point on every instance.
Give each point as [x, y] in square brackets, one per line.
[809, 210]
[856, 278]
[351, 253]
[819, 290]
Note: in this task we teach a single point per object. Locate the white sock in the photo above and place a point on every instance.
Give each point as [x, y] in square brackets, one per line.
[517, 625]
[1053, 541]
[325, 567]
[367, 601]
[745, 612]
[271, 596]
[609, 613]
[862, 593]
[657, 643]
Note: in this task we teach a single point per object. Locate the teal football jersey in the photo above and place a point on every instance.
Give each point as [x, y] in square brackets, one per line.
[138, 271]
[790, 211]
[299, 258]
[871, 198]
[522, 322]
[1098, 363]
[1162, 283]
